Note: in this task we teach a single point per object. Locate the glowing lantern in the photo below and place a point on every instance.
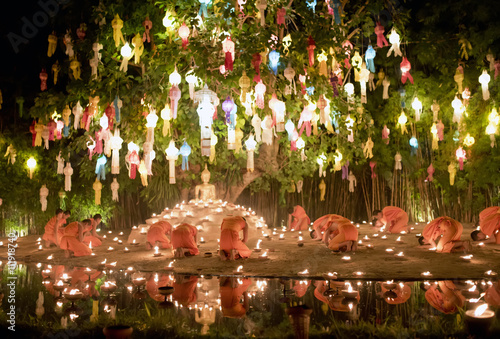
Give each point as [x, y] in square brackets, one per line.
[349, 89]
[289, 128]
[414, 145]
[172, 155]
[364, 77]
[44, 192]
[132, 159]
[274, 59]
[385, 83]
[149, 155]
[31, 163]
[305, 121]
[138, 48]
[367, 150]
[402, 122]
[168, 21]
[227, 106]
[394, 40]
[405, 71]
[300, 145]
[385, 134]
[379, 31]
[250, 145]
[193, 81]
[469, 140]
[260, 89]
[435, 110]
[458, 109]
[484, 79]
[279, 110]
[244, 83]
[398, 161]
[435, 139]
[311, 45]
[185, 151]
[261, 6]
[97, 186]
[165, 115]
[492, 128]
[143, 171]
[117, 25]
[290, 76]
[267, 130]
[321, 161]
[126, 53]
[77, 112]
[116, 145]
[452, 170]
[337, 158]
[100, 167]
[114, 189]
[369, 56]
[322, 59]
[205, 112]
[175, 95]
[461, 156]
[459, 78]
[417, 106]
[228, 48]
[184, 34]
[151, 121]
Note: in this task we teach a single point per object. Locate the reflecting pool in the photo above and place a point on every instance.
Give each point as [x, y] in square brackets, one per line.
[72, 302]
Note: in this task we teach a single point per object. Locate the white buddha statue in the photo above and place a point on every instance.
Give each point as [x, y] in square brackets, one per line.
[205, 191]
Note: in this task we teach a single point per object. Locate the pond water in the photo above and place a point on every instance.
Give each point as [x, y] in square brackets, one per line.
[165, 304]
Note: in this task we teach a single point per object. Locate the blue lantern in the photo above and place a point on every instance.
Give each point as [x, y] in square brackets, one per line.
[369, 56]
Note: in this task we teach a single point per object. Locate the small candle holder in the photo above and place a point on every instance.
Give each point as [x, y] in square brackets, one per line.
[134, 243]
[466, 258]
[257, 250]
[478, 321]
[263, 256]
[202, 241]
[157, 254]
[300, 244]
[208, 254]
[426, 274]
[490, 274]
[350, 294]
[126, 250]
[346, 258]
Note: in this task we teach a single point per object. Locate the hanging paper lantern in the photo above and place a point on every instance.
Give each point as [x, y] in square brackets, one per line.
[174, 78]
[492, 128]
[168, 21]
[435, 110]
[116, 145]
[402, 122]
[228, 48]
[289, 128]
[77, 112]
[364, 77]
[322, 59]
[458, 109]
[260, 89]
[227, 106]
[385, 134]
[469, 140]
[244, 83]
[74, 65]
[430, 172]
[452, 170]
[305, 121]
[279, 110]
[461, 156]
[100, 169]
[367, 150]
[185, 151]
[357, 60]
[311, 45]
[165, 115]
[290, 76]
[261, 6]
[394, 40]
[250, 145]
[138, 48]
[398, 159]
[43, 80]
[274, 59]
[386, 83]
[231, 129]
[151, 121]
[300, 143]
[184, 34]
[31, 163]
[175, 95]
[205, 112]
[117, 25]
[172, 155]
[143, 172]
[126, 53]
[97, 186]
[132, 158]
[373, 164]
[414, 145]
[149, 156]
[379, 31]
[115, 186]
[337, 158]
[11, 153]
[321, 162]
[417, 106]
[484, 80]
[68, 172]
[60, 163]
[435, 139]
[405, 71]
[459, 78]
[44, 192]
[267, 130]
[369, 56]
[193, 81]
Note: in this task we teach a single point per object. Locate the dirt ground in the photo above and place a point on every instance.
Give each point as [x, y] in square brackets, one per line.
[286, 258]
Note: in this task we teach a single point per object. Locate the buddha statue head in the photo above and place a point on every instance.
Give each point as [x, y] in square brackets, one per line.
[205, 175]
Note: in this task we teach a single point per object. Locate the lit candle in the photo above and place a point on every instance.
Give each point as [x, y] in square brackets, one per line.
[239, 269]
[418, 235]
[400, 254]
[304, 272]
[115, 239]
[358, 273]
[366, 237]
[202, 241]
[170, 266]
[120, 242]
[490, 273]
[432, 249]
[383, 237]
[399, 239]
[375, 235]
[143, 230]
[40, 248]
[300, 242]
[110, 249]
[134, 227]
[402, 232]
[39, 239]
[121, 233]
[263, 256]
[257, 247]
[126, 250]
[466, 258]
[282, 236]
[370, 246]
[389, 250]
[426, 274]
[134, 242]
[478, 321]
[49, 257]
[481, 244]
[346, 258]
[109, 232]
[157, 252]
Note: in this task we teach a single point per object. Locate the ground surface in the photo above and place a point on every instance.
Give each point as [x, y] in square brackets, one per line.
[288, 259]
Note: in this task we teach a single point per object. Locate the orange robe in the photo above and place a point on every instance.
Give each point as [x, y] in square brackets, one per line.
[49, 230]
[183, 236]
[492, 296]
[230, 236]
[403, 294]
[89, 237]
[334, 302]
[185, 292]
[490, 226]
[230, 298]
[157, 232]
[70, 242]
[299, 213]
[322, 223]
[487, 212]
[300, 287]
[447, 299]
[346, 231]
[152, 285]
[451, 230]
[395, 219]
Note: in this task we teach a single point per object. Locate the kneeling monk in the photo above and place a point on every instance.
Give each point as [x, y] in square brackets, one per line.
[51, 228]
[341, 234]
[393, 218]
[90, 232]
[451, 231]
[157, 235]
[298, 219]
[230, 244]
[321, 224]
[184, 240]
[489, 226]
[71, 241]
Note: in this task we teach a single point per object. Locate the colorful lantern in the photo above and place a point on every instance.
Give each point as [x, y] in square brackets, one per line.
[143, 172]
[337, 159]
[417, 106]
[228, 48]
[68, 172]
[414, 145]
[68, 42]
[31, 163]
[379, 31]
[386, 83]
[452, 170]
[11, 153]
[402, 122]
[52, 44]
[97, 186]
[257, 123]
[398, 161]
[172, 155]
[132, 159]
[100, 167]
[484, 80]
[227, 106]
[461, 156]
[168, 21]
[115, 186]
[267, 130]
[260, 89]
[459, 78]
[138, 48]
[321, 162]
[175, 95]
[165, 115]
[290, 76]
[492, 128]
[274, 59]
[261, 6]
[394, 40]
[322, 59]
[147, 28]
[369, 56]
[205, 112]
[126, 53]
[116, 145]
[117, 25]
[469, 140]
[184, 34]
[279, 110]
[435, 110]
[364, 77]
[430, 173]
[185, 151]
[149, 156]
[250, 145]
[311, 45]
[77, 112]
[352, 181]
[385, 134]
[60, 163]
[43, 80]
[151, 121]
[367, 150]
[300, 143]
[305, 121]
[405, 71]
[193, 81]
[458, 109]
[435, 139]
[44, 192]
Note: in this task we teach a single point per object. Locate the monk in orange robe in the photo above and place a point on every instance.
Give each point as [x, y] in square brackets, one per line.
[447, 299]
[341, 235]
[230, 244]
[298, 219]
[185, 289]
[230, 294]
[184, 240]
[492, 296]
[487, 212]
[90, 235]
[394, 219]
[489, 226]
[451, 231]
[60, 228]
[50, 235]
[321, 224]
[72, 239]
[157, 235]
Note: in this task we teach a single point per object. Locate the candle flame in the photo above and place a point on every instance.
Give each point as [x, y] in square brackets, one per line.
[426, 273]
[110, 248]
[264, 254]
[389, 250]
[59, 283]
[115, 239]
[398, 239]
[432, 249]
[349, 287]
[90, 244]
[282, 236]
[480, 310]
[384, 237]
[300, 238]
[400, 254]
[239, 269]
[156, 250]
[103, 262]
[472, 289]
[49, 257]
[201, 239]
[467, 257]
[126, 249]
[170, 264]
[306, 271]
[74, 291]
[346, 257]
[258, 243]
[133, 242]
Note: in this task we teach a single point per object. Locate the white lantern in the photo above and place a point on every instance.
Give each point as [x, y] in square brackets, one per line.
[250, 145]
[151, 121]
[395, 42]
[126, 53]
[402, 122]
[205, 112]
[174, 78]
[349, 89]
[68, 172]
[172, 155]
[193, 81]
[321, 161]
[300, 145]
[484, 80]
[458, 109]
[31, 163]
[44, 192]
[116, 145]
[166, 116]
[114, 189]
[417, 106]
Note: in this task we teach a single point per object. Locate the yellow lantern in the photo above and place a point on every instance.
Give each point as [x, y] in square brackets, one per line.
[402, 122]
[469, 140]
[31, 163]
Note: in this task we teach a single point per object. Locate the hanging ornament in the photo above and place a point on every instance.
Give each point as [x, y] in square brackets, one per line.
[349, 123]
[417, 106]
[405, 71]
[111, 115]
[100, 167]
[300, 143]
[117, 103]
[43, 80]
[60, 163]
[203, 8]
[68, 172]
[371, 82]
[52, 44]
[256, 61]
[492, 128]
[257, 123]
[402, 122]
[81, 31]
[348, 47]
[51, 126]
[115, 186]
[77, 112]
[430, 172]
[279, 109]
[300, 183]
[68, 42]
[290, 76]
[440, 130]
[364, 77]
[321, 162]
[172, 155]
[149, 156]
[56, 69]
[117, 25]
[126, 53]
[143, 172]
[267, 130]
[165, 115]
[394, 40]
[44, 192]
[461, 156]
[386, 83]
[469, 140]
[274, 59]
[66, 114]
[337, 158]
[185, 151]
[151, 121]
[352, 182]
[398, 159]
[373, 164]
[138, 48]
[435, 110]
[367, 150]
[244, 83]
[184, 34]
[228, 48]
[289, 128]
[322, 190]
[287, 42]
[74, 65]
[45, 137]
[59, 129]
[305, 121]
[369, 56]
[357, 60]
[132, 159]
[323, 68]
[452, 170]
[459, 78]
[435, 139]
[205, 112]
[91, 147]
[250, 145]
[484, 80]
[466, 96]
[227, 106]
[458, 109]
[147, 28]
[385, 134]
[260, 89]
[193, 81]
[379, 31]
[261, 6]
[345, 170]
[11, 153]
[414, 145]
[311, 45]
[116, 145]
[97, 186]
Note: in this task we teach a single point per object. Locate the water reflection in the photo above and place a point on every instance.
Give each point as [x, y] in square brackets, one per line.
[78, 297]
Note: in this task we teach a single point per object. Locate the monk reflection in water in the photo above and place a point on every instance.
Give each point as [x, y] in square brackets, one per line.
[394, 219]
[184, 289]
[341, 235]
[157, 235]
[395, 296]
[231, 247]
[231, 291]
[71, 241]
[85, 280]
[450, 229]
[332, 297]
[445, 297]
[321, 224]
[489, 223]
[300, 287]
[492, 296]
[154, 281]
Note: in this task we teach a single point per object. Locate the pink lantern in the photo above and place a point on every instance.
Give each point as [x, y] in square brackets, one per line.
[381, 40]
[430, 172]
[281, 16]
[305, 121]
[373, 164]
[348, 47]
[43, 80]
[461, 156]
[385, 134]
[59, 128]
[256, 61]
[405, 71]
[184, 34]
[175, 95]
[228, 48]
[260, 89]
[310, 49]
